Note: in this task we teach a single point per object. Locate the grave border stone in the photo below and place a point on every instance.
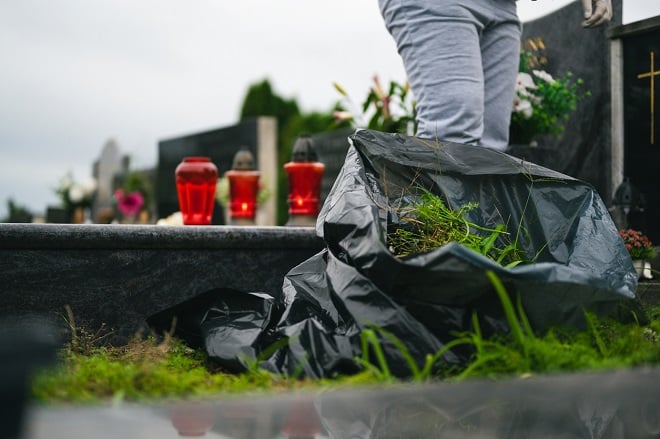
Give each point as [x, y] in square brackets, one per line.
[121, 274]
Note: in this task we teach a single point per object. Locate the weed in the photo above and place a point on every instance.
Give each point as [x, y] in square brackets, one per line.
[82, 340]
[432, 224]
[381, 370]
[606, 344]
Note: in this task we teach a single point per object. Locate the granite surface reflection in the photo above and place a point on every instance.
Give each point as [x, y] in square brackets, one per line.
[622, 404]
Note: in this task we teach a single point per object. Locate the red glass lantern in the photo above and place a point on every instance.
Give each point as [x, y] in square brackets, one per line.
[196, 178]
[304, 175]
[192, 419]
[302, 421]
[243, 188]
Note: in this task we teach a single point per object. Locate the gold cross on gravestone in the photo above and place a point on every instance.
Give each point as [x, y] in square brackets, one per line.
[651, 74]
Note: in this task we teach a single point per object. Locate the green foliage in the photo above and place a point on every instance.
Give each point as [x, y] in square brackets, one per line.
[433, 224]
[160, 371]
[17, 213]
[74, 194]
[639, 245]
[393, 111]
[147, 369]
[261, 100]
[543, 104]
[606, 344]
[137, 181]
[371, 345]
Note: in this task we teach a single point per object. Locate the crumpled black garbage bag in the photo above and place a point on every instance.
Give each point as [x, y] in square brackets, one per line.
[423, 300]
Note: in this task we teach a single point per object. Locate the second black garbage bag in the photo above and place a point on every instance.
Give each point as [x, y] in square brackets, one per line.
[579, 262]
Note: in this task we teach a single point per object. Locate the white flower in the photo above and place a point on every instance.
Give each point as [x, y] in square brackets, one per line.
[524, 82]
[542, 74]
[76, 193]
[88, 187]
[523, 106]
[176, 219]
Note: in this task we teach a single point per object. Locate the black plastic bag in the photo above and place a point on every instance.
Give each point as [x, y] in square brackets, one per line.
[424, 300]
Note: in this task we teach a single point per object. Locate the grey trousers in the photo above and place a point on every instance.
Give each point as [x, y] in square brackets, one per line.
[461, 58]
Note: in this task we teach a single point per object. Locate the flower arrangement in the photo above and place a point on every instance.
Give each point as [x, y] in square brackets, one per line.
[129, 203]
[132, 195]
[542, 104]
[391, 112]
[638, 245]
[74, 194]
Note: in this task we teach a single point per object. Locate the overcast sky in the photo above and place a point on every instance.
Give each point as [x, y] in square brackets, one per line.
[78, 72]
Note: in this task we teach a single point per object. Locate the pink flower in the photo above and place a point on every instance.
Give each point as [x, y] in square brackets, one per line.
[380, 94]
[129, 204]
[377, 88]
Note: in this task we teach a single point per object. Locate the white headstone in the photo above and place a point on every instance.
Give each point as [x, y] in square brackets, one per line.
[105, 169]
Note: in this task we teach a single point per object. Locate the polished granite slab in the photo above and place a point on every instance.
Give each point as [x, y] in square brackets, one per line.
[620, 404]
[116, 276]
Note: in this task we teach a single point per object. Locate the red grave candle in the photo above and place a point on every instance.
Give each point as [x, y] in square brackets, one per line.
[196, 178]
[243, 189]
[305, 175]
[304, 187]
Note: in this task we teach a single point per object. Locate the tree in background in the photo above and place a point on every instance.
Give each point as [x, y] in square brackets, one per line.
[16, 213]
[261, 100]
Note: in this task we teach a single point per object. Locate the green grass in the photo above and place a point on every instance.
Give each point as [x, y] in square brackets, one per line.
[429, 223]
[607, 344]
[147, 369]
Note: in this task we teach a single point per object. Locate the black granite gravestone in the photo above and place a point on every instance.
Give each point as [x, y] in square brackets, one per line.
[641, 80]
[115, 276]
[56, 215]
[331, 150]
[583, 150]
[219, 144]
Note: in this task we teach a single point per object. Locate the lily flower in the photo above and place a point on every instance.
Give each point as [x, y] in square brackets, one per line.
[342, 116]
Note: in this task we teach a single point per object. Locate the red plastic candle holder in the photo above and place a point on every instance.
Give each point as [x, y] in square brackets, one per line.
[196, 178]
[302, 421]
[243, 190]
[304, 187]
[192, 419]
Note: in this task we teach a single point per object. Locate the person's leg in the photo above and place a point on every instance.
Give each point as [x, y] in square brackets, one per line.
[442, 45]
[439, 44]
[500, 52]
